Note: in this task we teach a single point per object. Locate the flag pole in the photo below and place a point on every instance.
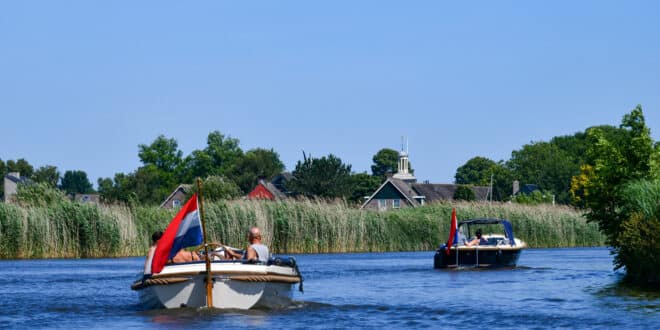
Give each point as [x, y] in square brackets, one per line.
[209, 279]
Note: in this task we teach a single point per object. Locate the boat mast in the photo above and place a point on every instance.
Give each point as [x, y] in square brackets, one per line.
[209, 279]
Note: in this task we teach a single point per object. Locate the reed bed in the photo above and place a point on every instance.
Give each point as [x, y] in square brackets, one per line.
[72, 230]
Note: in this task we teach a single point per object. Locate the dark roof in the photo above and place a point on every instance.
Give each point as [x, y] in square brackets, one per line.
[279, 181]
[435, 192]
[273, 190]
[430, 191]
[16, 179]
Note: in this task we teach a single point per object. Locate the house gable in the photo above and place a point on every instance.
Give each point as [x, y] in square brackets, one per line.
[261, 192]
[389, 192]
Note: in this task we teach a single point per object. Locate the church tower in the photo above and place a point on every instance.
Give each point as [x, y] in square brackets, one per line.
[403, 170]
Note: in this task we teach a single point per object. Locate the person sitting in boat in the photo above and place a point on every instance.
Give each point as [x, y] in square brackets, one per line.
[256, 251]
[479, 240]
[152, 249]
[185, 256]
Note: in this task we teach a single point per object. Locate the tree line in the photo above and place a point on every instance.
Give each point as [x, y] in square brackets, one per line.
[227, 171]
[551, 166]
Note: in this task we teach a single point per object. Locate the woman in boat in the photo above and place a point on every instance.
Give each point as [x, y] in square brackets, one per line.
[479, 240]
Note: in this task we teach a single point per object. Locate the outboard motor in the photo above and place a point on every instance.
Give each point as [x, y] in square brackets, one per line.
[439, 258]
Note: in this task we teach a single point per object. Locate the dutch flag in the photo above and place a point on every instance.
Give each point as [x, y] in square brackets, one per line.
[453, 233]
[183, 231]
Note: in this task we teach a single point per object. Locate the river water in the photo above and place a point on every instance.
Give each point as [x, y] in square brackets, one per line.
[552, 288]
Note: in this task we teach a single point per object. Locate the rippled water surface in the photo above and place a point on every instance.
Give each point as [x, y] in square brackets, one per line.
[552, 288]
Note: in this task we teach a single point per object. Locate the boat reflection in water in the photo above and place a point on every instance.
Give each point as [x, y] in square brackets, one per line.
[498, 247]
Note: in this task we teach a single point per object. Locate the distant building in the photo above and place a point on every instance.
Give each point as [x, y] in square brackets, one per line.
[266, 190]
[402, 190]
[87, 198]
[11, 181]
[176, 199]
[280, 180]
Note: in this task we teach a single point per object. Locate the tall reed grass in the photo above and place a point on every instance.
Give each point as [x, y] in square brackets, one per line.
[72, 230]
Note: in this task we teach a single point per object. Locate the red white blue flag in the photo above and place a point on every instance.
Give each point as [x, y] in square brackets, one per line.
[453, 233]
[183, 231]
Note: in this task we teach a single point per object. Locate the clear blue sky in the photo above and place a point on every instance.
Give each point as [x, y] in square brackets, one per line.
[82, 83]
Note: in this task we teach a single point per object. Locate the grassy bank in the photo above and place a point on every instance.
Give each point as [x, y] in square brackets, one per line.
[70, 230]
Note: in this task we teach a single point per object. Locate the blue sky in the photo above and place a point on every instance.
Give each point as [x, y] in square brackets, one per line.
[82, 83]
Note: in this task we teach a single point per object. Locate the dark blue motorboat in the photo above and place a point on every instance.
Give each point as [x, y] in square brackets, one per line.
[497, 247]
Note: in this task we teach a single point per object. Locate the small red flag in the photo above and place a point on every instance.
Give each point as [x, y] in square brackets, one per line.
[452, 231]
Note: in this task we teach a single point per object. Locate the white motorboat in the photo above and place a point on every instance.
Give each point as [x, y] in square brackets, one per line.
[237, 284]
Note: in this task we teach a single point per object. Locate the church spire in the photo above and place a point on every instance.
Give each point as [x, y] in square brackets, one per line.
[403, 170]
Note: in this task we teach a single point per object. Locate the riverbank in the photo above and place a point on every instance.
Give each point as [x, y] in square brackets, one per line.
[72, 230]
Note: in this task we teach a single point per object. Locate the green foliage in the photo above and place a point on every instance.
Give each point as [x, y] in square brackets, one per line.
[38, 194]
[3, 173]
[464, 193]
[47, 174]
[362, 185]
[475, 171]
[254, 165]
[22, 166]
[478, 171]
[386, 160]
[76, 182]
[220, 156]
[325, 177]
[117, 189]
[546, 165]
[613, 188]
[217, 188]
[163, 153]
[533, 198]
[638, 249]
[69, 230]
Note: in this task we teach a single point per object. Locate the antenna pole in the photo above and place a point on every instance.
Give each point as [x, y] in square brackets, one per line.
[209, 277]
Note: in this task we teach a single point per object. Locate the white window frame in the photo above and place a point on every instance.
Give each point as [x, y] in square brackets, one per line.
[396, 203]
[382, 204]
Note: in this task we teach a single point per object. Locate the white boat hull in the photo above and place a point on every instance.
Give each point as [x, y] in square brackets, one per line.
[236, 286]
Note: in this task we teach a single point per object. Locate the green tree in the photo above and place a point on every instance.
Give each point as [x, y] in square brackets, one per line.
[224, 152]
[254, 165]
[386, 160]
[163, 153]
[638, 247]
[546, 165]
[150, 185]
[217, 188]
[478, 171]
[22, 166]
[464, 193]
[3, 173]
[325, 177]
[220, 156]
[362, 185]
[76, 182]
[116, 189]
[198, 164]
[47, 174]
[614, 164]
